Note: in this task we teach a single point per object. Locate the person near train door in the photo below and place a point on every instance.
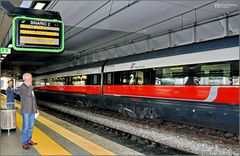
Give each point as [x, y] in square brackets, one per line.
[10, 94]
[28, 110]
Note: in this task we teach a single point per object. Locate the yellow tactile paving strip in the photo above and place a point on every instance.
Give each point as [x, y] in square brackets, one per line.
[83, 143]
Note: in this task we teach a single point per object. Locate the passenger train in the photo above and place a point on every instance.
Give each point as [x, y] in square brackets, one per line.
[196, 84]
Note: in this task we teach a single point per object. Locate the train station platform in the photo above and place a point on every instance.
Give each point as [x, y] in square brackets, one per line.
[57, 137]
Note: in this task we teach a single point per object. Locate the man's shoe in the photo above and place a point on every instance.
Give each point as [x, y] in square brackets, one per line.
[31, 143]
[26, 147]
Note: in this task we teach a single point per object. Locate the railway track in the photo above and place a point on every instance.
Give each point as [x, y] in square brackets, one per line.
[227, 137]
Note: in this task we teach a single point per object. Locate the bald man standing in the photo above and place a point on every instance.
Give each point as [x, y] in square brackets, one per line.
[28, 110]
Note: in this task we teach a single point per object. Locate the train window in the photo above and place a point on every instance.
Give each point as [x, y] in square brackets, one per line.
[61, 81]
[105, 78]
[39, 82]
[215, 74]
[56, 81]
[79, 80]
[50, 82]
[192, 74]
[169, 76]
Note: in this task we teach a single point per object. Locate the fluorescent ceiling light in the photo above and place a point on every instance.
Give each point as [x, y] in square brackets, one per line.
[39, 6]
[26, 4]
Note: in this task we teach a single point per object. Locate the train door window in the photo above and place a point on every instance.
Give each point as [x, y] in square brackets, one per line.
[215, 74]
[117, 79]
[95, 79]
[148, 76]
[109, 78]
[98, 79]
[89, 80]
[139, 77]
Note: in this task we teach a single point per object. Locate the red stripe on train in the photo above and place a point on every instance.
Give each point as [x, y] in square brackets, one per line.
[225, 94]
[228, 95]
[176, 92]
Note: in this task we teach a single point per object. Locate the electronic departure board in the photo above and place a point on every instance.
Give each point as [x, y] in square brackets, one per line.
[37, 35]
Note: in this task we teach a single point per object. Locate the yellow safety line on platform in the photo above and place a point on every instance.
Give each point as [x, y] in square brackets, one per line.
[46, 145]
[83, 143]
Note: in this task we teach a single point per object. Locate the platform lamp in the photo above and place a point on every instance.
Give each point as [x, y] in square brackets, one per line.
[40, 5]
